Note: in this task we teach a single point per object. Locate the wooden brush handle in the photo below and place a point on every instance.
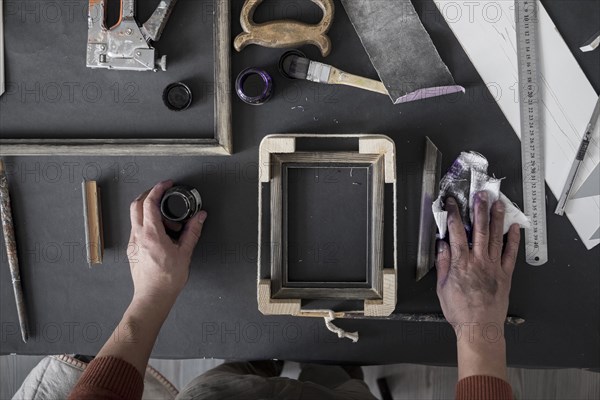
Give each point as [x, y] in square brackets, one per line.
[339, 77]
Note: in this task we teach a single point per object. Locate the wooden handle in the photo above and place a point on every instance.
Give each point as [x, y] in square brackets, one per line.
[339, 77]
[285, 33]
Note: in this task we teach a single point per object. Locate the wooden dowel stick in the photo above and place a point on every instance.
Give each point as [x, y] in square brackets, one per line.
[11, 252]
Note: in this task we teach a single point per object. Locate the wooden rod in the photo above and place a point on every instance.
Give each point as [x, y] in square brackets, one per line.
[11, 252]
[404, 317]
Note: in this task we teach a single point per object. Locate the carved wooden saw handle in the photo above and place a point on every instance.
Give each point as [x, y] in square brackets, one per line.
[285, 33]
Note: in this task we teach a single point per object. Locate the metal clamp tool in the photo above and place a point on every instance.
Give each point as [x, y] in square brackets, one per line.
[126, 45]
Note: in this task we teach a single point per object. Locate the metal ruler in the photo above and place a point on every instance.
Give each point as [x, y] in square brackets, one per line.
[534, 190]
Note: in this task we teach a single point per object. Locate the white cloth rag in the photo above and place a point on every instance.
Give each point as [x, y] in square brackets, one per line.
[467, 176]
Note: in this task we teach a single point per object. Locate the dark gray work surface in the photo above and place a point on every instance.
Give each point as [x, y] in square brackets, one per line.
[46, 72]
[73, 308]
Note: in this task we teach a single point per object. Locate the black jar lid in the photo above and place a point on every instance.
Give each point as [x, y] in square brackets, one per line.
[177, 96]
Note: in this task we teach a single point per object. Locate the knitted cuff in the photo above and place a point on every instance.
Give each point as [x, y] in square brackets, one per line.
[113, 375]
[480, 387]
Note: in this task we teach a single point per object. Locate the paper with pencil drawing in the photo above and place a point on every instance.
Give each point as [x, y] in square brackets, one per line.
[486, 31]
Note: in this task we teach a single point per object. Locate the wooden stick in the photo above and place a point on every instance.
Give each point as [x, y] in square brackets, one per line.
[11, 252]
[431, 317]
[404, 317]
[92, 216]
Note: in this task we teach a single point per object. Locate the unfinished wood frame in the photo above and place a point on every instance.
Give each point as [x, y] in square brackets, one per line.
[221, 144]
[275, 294]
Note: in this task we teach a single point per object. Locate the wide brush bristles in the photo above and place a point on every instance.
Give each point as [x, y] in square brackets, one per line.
[295, 67]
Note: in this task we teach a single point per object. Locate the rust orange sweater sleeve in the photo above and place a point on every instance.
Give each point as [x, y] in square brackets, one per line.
[109, 378]
[482, 387]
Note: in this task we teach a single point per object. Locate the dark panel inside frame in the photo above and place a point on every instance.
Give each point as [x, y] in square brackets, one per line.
[327, 211]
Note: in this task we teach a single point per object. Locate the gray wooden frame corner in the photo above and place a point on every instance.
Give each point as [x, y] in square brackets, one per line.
[270, 306]
[432, 171]
[220, 145]
[276, 149]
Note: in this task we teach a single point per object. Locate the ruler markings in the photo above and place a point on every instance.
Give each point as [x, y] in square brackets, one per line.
[534, 191]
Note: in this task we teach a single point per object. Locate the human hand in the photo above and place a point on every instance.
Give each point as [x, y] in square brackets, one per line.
[159, 264]
[473, 285]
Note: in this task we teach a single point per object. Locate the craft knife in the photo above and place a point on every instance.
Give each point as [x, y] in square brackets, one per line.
[585, 143]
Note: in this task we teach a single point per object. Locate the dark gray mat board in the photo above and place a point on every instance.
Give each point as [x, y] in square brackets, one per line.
[74, 308]
[45, 46]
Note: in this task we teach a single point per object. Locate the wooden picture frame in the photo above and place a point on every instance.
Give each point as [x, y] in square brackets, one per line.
[281, 286]
[275, 294]
[221, 144]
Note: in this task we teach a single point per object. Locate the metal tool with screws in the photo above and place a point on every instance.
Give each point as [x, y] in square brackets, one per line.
[126, 45]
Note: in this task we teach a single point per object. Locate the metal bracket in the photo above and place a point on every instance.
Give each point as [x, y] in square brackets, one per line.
[126, 45]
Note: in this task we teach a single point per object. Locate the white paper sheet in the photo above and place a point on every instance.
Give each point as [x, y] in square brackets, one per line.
[486, 31]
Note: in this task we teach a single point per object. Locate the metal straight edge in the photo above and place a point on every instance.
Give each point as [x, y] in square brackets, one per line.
[431, 176]
[534, 190]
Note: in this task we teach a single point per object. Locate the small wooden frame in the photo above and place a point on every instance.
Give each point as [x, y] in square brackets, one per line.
[276, 294]
[281, 286]
[221, 144]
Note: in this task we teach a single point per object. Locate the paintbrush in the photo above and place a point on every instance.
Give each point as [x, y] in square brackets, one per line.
[297, 67]
[11, 252]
